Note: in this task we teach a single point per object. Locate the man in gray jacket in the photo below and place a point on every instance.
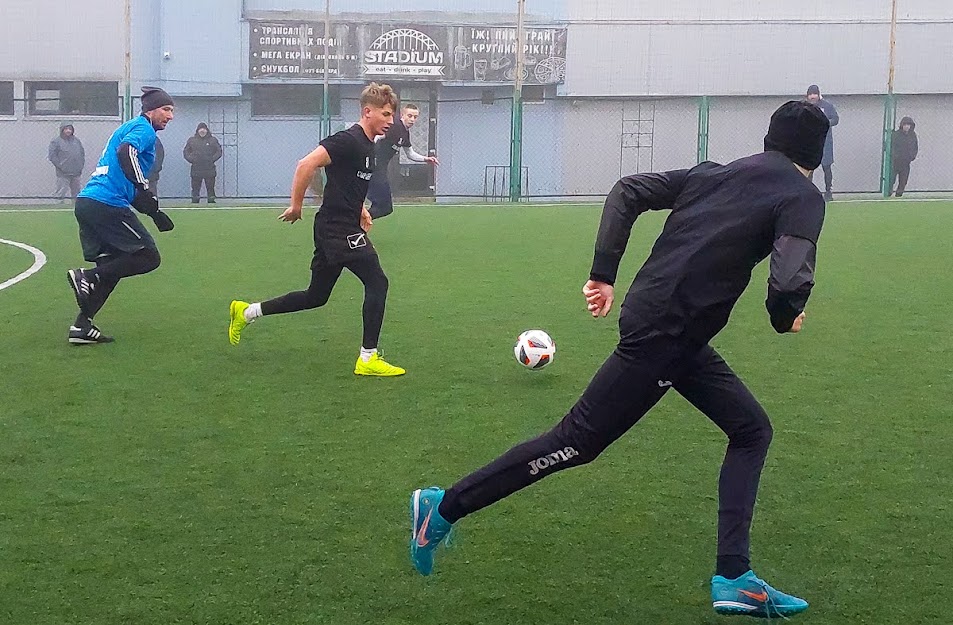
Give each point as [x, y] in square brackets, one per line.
[69, 158]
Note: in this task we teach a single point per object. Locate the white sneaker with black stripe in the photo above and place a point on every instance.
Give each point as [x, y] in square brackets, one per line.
[87, 334]
[83, 284]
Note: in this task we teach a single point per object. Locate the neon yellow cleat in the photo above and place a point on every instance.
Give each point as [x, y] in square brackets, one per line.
[377, 366]
[237, 323]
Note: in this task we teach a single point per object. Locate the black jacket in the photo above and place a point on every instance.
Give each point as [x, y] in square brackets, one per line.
[725, 219]
[157, 165]
[202, 152]
[905, 144]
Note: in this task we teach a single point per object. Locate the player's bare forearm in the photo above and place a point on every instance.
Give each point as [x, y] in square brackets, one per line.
[304, 174]
[299, 186]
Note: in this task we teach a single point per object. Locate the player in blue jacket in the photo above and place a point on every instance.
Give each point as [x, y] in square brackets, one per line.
[110, 233]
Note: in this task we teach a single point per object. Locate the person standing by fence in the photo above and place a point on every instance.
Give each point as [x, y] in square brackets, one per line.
[202, 150]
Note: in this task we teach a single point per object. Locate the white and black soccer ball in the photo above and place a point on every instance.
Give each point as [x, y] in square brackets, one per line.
[534, 349]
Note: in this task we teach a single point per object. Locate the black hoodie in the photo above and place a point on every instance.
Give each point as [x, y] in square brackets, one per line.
[202, 152]
[905, 144]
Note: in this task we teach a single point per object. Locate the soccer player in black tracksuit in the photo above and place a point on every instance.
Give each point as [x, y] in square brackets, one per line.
[397, 138]
[725, 220]
[340, 230]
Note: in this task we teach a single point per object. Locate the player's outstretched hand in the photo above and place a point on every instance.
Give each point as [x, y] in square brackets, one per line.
[163, 222]
[433, 160]
[796, 327]
[599, 297]
[291, 215]
[366, 221]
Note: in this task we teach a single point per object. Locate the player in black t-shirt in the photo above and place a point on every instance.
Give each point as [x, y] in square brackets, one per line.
[340, 230]
[397, 138]
[725, 219]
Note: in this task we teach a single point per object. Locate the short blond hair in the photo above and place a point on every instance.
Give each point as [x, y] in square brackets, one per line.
[378, 96]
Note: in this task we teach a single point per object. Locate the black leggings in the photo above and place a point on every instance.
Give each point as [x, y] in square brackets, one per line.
[629, 384]
[323, 278]
[112, 269]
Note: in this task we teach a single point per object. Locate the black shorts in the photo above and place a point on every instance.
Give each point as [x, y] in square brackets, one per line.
[337, 248]
[107, 231]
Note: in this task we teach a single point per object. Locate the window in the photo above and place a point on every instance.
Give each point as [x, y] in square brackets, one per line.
[6, 98]
[534, 94]
[73, 98]
[293, 100]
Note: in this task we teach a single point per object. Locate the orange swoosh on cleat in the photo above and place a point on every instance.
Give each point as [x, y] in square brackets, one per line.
[762, 596]
[422, 534]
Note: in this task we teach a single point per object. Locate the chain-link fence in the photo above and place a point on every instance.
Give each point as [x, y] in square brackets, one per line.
[564, 140]
[571, 147]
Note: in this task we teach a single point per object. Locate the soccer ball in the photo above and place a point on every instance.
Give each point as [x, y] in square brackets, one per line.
[534, 349]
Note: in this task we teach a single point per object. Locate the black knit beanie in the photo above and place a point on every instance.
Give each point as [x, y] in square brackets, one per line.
[154, 98]
[798, 130]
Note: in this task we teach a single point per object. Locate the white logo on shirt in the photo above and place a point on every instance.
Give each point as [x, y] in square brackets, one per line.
[357, 240]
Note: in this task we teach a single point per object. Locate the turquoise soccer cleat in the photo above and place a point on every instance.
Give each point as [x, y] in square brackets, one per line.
[427, 528]
[750, 596]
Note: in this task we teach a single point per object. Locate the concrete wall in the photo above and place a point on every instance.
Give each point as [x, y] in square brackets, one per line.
[752, 58]
[59, 39]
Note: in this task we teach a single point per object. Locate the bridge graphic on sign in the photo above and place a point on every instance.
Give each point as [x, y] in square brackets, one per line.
[404, 52]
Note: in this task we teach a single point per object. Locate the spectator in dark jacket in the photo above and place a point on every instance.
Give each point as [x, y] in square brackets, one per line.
[203, 150]
[827, 163]
[69, 158]
[156, 168]
[904, 151]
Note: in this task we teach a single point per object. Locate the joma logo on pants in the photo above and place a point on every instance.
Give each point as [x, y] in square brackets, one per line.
[541, 464]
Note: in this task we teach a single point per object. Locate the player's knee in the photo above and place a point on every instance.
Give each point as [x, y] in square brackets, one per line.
[316, 299]
[150, 259]
[766, 434]
[580, 445]
[377, 288]
[757, 433]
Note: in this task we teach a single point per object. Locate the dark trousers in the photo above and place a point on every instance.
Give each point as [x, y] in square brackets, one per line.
[828, 176]
[901, 172]
[644, 365]
[197, 187]
[323, 278]
[117, 242]
[379, 195]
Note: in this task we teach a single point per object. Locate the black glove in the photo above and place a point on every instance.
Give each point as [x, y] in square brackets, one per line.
[145, 202]
[163, 221]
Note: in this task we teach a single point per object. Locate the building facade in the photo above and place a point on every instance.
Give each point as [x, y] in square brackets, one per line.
[613, 86]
